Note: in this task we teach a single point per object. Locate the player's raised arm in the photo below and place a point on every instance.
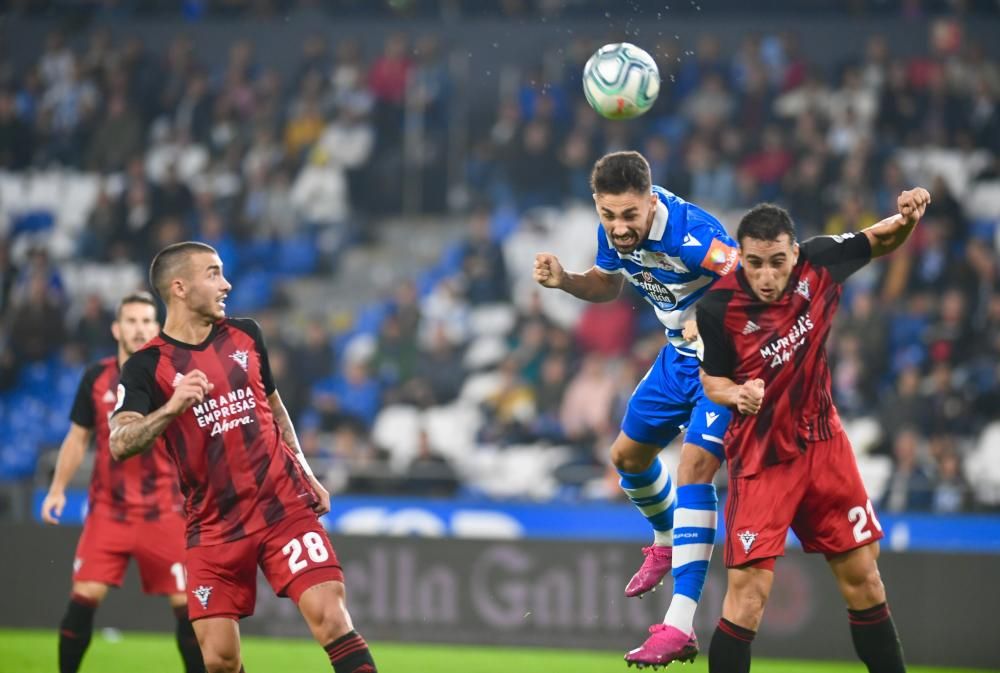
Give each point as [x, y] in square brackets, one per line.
[892, 232]
[593, 285]
[133, 432]
[71, 452]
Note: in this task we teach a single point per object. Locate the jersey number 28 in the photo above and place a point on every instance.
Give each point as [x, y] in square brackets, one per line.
[315, 550]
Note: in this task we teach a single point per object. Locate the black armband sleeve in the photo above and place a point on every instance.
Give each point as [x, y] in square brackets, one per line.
[82, 412]
[137, 386]
[841, 255]
[717, 357]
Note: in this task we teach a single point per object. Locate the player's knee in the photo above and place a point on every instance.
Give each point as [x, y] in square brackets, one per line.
[628, 461]
[864, 588]
[697, 466]
[217, 661]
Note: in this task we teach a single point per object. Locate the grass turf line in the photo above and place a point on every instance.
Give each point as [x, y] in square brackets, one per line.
[23, 651]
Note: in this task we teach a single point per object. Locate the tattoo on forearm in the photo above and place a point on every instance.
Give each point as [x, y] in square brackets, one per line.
[132, 433]
[285, 424]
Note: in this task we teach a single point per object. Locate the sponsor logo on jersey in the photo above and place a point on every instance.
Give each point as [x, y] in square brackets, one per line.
[711, 417]
[721, 258]
[203, 593]
[750, 327]
[690, 241]
[227, 411]
[803, 288]
[656, 290]
[746, 539]
[241, 358]
[121, 397]
[780, 350]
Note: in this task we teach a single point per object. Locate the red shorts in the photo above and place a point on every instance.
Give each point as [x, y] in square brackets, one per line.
[106, 545]
[819, 495]
[294, 554]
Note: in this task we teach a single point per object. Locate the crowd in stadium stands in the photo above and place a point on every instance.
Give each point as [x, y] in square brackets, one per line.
[477, 383]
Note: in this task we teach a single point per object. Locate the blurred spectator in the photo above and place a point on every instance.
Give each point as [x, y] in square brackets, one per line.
[92, 331]
[430, 473]
[16, 135]
[910, 487]
[351, 397]
[586, 407]
[117, 137]
[951, 491]
[484, 268]
[36, 322]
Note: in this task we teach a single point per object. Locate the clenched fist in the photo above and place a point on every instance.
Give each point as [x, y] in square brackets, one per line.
[548, 271]
[912, 203]
[751, 396]
[189, 391]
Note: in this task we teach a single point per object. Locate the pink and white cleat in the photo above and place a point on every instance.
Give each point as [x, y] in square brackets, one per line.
[650, 574]
[664, 645]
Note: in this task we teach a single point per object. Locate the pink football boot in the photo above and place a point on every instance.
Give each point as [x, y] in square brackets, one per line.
[654, 568]
[665, 644]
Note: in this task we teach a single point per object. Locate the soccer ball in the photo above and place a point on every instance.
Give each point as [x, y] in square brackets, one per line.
[621, 81]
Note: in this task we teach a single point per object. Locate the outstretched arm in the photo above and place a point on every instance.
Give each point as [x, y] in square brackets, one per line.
[892, 232]
[284, 422]
[592, 285]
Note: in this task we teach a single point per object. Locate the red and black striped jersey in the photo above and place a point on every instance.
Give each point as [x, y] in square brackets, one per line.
[137, 490]
[237, 474]
[784, 344]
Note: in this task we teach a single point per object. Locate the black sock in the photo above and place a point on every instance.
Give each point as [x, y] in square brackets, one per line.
[729, 651]
[875, 639]
[350, 654]
[74, 632]
[187, 642]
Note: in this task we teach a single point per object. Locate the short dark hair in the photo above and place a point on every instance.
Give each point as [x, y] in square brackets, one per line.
[621, 172]
[168, 260]
[765, 222]
[138, 297]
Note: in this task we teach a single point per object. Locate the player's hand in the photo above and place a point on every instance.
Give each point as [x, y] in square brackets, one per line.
[190, 390]
[548, 271]
[912, 203]
[690, 331]
[323, 506]
[750, 397]
[52, 507]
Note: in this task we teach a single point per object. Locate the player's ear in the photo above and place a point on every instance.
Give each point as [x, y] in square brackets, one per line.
[116, 330]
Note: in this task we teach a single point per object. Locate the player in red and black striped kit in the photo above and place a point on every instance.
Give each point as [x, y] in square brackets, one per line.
[134, 508]
[764, 330]
[205, 386]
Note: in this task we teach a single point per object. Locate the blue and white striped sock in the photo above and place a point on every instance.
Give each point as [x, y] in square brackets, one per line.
[652, 492]
[695, 521]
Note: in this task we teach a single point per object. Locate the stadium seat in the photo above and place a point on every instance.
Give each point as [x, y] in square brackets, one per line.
[396, 429]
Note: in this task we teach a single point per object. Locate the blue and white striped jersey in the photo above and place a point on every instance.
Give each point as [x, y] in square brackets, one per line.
[686, 251]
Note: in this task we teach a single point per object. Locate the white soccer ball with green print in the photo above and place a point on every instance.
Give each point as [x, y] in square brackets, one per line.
[621, 81]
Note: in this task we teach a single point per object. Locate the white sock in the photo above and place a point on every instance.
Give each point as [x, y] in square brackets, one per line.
[663, 538]
[680, 614]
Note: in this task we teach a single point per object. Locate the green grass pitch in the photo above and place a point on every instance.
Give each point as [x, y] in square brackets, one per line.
[24, 651]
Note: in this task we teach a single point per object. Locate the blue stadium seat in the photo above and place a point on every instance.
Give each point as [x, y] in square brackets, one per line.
[254, 291]
[296, 256]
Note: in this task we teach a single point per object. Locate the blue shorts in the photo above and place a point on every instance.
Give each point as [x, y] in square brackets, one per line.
[670, 399]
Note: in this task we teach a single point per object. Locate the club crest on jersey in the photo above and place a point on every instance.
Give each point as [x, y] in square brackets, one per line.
[746, 539]
[241, 358]
[203, 593]
[803, 288]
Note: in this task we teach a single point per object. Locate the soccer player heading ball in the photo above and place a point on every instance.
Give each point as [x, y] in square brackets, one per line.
[205, 386]
[790, 464]
[671, 251]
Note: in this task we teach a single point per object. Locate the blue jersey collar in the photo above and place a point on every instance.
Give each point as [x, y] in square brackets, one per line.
[659, 226]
